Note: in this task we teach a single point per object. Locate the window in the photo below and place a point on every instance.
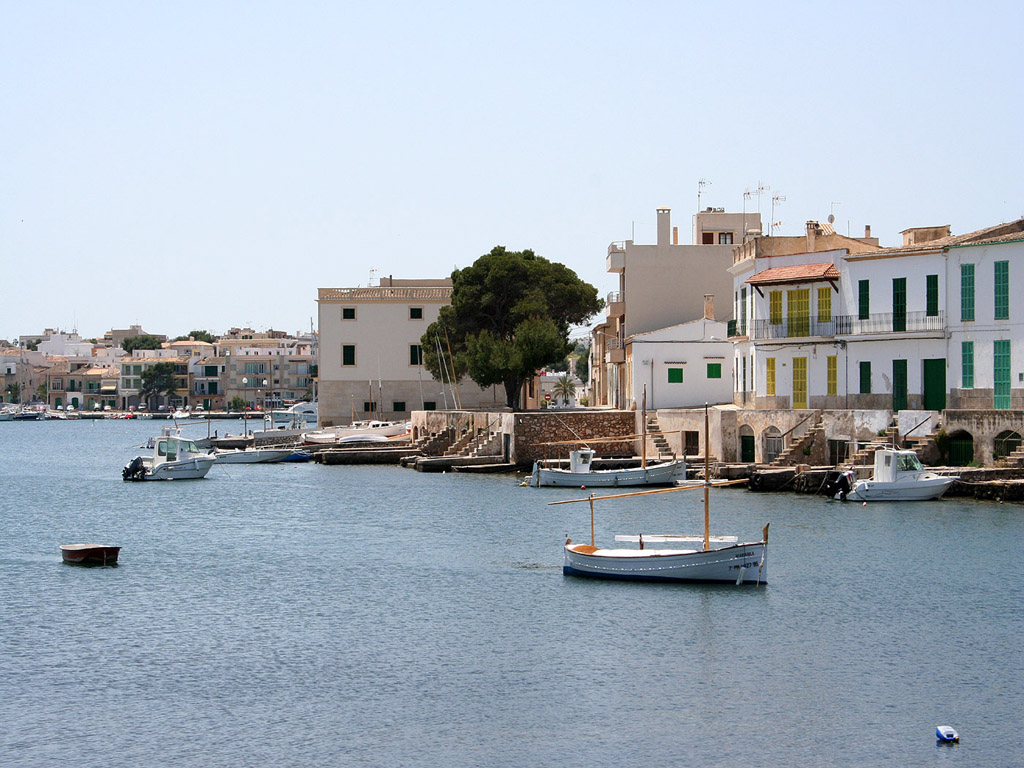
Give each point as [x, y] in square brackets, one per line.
[369, 407]
[743, 311]
[832, 368]
[348, 313]
[348, 354]
[799, 310]
[769, 376]
[1001, 375]
[1002, 298]
[865, 377]
[966, 292]
[775, 307]
[209, 370]
[429, 405]
[863, 299]
[398, 406]
[932, 296]
[675, 375]
[725, 238]
[415, 313]
[825, 305]
[967, 364]
[899, 304]
[715, 370]
[255, 369]
[415, 354]
[707, 238]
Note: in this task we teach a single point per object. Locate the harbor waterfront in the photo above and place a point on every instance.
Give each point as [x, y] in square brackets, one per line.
[307, 615]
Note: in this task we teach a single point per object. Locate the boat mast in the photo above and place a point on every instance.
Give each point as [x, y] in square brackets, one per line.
[707, 484]
[643, 430]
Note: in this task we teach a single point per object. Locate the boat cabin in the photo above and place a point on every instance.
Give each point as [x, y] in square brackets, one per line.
[171, 446]
[580, 460]
[891, 463]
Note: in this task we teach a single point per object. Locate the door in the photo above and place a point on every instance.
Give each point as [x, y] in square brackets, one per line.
[799, 382]
[934, 384]
[747, 449]
[899, 385]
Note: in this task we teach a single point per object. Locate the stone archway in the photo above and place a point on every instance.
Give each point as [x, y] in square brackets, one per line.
[773, 444]
[747, 444]
[1005, 443]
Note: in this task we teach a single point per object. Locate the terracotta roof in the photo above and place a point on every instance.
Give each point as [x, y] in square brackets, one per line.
[801, 273]
[999, 233]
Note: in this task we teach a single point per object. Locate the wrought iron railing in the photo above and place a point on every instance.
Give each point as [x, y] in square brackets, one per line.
[616, 296]
[847, 325]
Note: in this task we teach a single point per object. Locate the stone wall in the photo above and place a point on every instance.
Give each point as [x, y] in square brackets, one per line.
[983, 427]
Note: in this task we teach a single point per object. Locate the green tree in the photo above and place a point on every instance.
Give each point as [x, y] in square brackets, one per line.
[565, 389]
[140, 342]
[510, 315]
[157, 380]
[198, 336]
[237, 403]
[581, 356]
[41, 393]
[14, 392]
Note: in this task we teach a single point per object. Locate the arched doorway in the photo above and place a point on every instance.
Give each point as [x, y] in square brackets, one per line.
[747, 444]
[1005, 443]
[961, 449]
[772, 444]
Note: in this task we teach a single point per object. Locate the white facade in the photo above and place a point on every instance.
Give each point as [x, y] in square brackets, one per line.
[683, 366]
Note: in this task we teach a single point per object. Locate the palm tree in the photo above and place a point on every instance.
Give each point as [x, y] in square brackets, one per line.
[565, 389]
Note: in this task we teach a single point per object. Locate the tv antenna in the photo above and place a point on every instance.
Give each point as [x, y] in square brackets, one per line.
[762, 189]
[776, 200]
[701, 183]
[832, 212]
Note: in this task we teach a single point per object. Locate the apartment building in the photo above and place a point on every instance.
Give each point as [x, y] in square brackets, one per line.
[371, 358]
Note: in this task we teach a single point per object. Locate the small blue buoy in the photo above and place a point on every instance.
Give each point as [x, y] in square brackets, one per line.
[947, 733]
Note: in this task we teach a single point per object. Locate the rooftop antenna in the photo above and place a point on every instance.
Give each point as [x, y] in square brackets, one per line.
[776, 200]
[373, 273]
[762, 189]
[832, 212]
[746, 196]
[701, 183]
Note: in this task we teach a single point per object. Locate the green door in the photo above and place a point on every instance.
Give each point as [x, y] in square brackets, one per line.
[899, 385]
[747, 448]
[961, 450]
[934, 385]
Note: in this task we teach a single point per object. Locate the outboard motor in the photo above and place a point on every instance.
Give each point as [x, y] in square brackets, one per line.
[838, 482]
[134, 470]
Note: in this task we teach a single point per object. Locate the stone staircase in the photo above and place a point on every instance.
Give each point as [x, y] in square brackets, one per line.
[486, 444]
[438, 443]
[794, 452]
[1015, 459]
[660, 441]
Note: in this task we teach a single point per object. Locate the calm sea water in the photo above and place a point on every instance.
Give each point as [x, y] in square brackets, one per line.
[301, 615]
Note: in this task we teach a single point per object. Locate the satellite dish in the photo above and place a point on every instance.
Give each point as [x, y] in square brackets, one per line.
[831, 219]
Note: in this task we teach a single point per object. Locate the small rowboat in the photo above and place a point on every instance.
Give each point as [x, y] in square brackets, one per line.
[89, 554]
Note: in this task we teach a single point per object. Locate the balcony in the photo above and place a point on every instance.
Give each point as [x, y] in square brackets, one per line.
[616, 261]
[614, 351]
[848, 325]
[616, 302]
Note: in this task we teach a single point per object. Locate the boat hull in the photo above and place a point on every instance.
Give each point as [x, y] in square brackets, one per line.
[667, 473]
[89, 554]
[915, 490]
[254, 456]
[738, 564]
[188, 469]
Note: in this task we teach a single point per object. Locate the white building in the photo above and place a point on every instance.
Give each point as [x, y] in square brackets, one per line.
[370, 354]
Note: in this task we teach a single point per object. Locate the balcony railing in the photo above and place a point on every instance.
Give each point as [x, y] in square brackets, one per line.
[848, 325]
[612, 342]
[614, 297]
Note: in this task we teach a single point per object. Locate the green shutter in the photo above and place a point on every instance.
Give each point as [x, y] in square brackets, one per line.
[899, 385]
[714, 370]
[1001, 375]
[966, 291]
[932, 301]
[864, 299]
[1002, 298]
[899, 304]
[743, 311]
[865, 377]
[675, 375]
[967, 365]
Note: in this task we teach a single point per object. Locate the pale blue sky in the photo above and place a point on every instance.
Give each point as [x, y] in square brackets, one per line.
[203, 165]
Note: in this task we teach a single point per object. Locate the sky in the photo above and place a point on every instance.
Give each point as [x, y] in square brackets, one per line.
[207, 165]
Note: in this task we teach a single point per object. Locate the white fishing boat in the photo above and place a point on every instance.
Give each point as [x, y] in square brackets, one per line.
[363, 429]
[173, 457]
[297, 416]
[252, 455]
[728, 561]
[899, 476]
[582, 473]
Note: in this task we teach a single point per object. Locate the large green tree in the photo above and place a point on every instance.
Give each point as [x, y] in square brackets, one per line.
[206, 336]
[510, 316]
[140, 342]
[158, 379]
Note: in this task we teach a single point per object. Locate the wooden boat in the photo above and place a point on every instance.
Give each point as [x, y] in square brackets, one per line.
[358, 429]
[253, 455]
[899, 476]
[173, 458]
[739, 563]
[89, 554]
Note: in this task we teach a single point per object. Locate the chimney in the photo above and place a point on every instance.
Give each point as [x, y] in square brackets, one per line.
[675, 235]
[664, 226]
[709, 306]
[812, 233]
[867, 230]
